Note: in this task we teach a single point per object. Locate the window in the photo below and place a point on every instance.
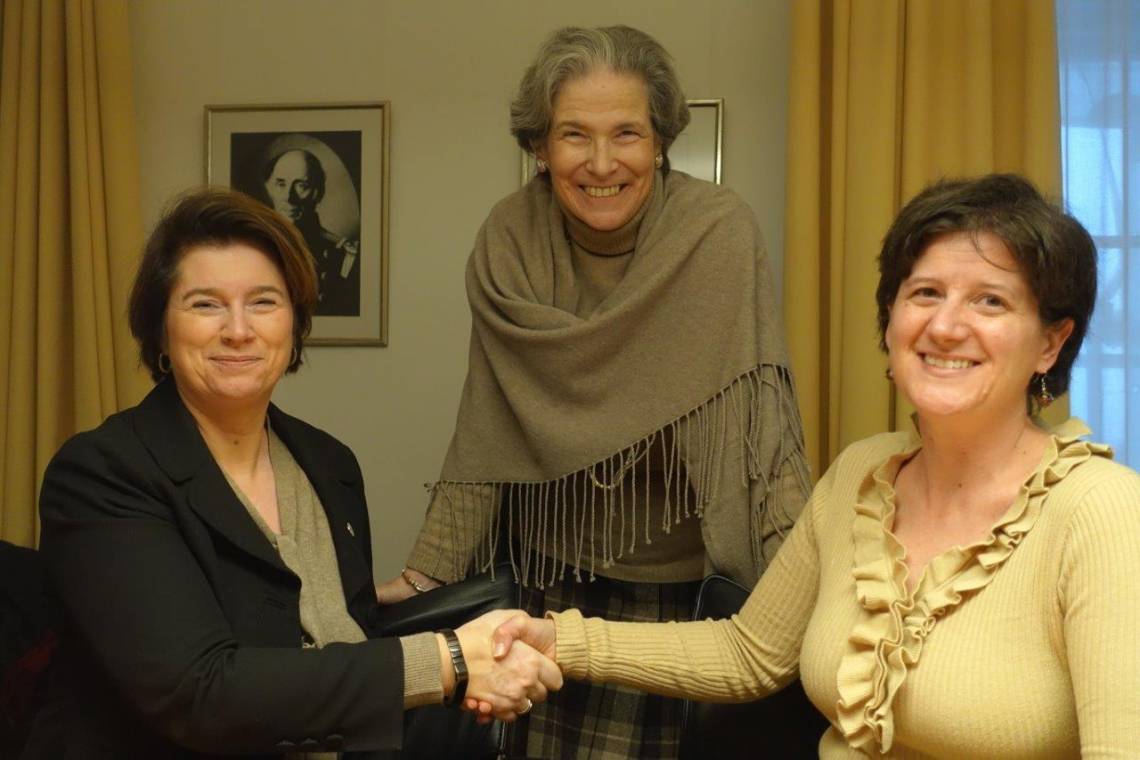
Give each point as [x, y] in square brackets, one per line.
[1099, 58]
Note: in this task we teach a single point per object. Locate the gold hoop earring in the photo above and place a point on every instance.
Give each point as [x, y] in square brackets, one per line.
[659, 160]
[1044, 396]
[889, 375]
[164, 369]
[295, 356]
[540, 165]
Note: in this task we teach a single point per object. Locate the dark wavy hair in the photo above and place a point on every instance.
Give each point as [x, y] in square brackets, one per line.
[217, 217]
[1054, 253]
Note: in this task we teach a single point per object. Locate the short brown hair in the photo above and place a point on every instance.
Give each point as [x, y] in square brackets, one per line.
[574, 52]
[217, 217]
[1054, 253]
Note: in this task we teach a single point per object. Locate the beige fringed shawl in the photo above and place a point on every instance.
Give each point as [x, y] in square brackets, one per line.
[682, 359]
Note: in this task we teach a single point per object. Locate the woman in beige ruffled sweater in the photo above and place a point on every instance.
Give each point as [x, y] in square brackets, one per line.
[971, 589]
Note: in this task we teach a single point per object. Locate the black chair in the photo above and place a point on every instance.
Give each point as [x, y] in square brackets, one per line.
[783, 725]
[28, 621]
[435, 732]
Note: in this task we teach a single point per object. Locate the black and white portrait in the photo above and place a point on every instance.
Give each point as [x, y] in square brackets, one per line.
[325, 169]
[312, 179]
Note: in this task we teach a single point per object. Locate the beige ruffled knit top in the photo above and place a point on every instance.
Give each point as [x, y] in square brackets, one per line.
[888, 640]
[1023, 644]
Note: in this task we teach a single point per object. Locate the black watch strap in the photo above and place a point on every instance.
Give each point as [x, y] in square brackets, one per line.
[460, 666]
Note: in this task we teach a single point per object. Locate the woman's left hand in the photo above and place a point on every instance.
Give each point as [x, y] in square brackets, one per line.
[400, 588]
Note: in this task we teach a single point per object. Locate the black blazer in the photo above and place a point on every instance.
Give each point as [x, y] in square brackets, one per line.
[182, 636]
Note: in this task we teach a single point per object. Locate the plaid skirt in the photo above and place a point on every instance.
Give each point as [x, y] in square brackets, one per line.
[604, 721]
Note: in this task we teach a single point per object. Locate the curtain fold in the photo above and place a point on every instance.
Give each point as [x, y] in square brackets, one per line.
[885, 97]
[70, 234]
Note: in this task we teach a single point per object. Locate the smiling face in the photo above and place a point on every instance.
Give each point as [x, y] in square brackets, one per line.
[601, 148]
[229, 326]
[964, 334]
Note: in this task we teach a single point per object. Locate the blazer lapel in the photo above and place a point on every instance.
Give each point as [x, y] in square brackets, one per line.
[333, 478]
[169, 431]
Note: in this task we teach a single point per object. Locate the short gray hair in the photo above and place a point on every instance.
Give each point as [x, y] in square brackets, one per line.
[574, 52]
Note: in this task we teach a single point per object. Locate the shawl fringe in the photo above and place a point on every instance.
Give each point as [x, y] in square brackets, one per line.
[577, 512]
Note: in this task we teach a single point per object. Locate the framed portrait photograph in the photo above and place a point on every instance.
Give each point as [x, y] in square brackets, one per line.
[325, 169]
[696, 151]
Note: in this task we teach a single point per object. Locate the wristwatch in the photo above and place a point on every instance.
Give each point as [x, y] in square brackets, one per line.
[460, 666]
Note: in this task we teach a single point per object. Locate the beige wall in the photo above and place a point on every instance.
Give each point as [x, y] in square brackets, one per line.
[448, 69]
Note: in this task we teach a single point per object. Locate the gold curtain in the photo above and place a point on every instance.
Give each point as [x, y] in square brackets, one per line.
[70, 233]
[885, 97]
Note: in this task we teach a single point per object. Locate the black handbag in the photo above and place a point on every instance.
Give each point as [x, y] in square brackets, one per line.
[783, 725]
[435, 731]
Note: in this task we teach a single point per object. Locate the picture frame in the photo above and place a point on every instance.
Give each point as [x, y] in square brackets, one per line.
[696, 151]
[325, 168]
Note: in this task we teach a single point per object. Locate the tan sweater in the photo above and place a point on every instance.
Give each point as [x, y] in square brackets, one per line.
[1022, 645]
[672, 550]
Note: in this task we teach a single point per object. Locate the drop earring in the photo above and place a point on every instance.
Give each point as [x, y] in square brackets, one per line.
[1044, 396]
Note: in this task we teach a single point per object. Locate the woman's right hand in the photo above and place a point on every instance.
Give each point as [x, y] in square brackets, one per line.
[535, 635]
[539, 633]
[398, 589]
[508, 685]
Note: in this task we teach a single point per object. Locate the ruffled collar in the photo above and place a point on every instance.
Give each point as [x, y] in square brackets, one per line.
[888, 639]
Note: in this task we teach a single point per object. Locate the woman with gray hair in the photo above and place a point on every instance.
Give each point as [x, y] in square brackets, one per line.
[628, 417]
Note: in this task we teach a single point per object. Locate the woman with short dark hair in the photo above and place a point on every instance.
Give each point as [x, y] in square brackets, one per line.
[1051, 249]
[216, 218]
[212, 554]
[628, 417]
[967, 589]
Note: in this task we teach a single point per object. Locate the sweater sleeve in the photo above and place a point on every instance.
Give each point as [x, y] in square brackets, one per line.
[455, 529]
[1100, 599]
[422, 684]
[749, 655]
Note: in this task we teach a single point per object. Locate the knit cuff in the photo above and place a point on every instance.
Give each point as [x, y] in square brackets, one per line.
[573, 654]
[422, 684]
[431, 557]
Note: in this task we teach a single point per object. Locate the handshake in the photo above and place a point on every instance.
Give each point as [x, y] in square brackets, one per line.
[510, 659]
